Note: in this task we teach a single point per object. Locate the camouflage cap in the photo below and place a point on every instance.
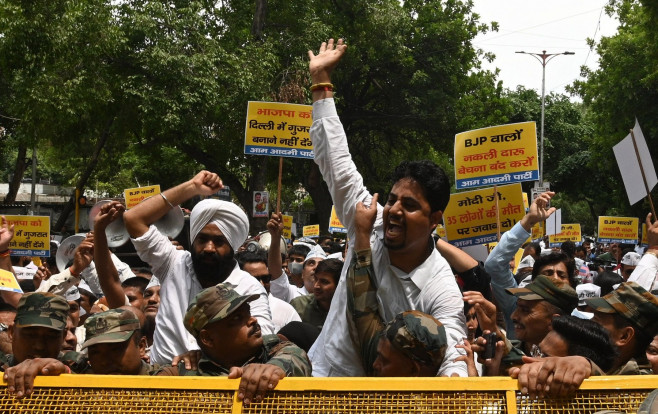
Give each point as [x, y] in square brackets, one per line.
[632, 302]
[212, 305]
[419, 336]
[545, 288]
[113, 326]
[42, 309]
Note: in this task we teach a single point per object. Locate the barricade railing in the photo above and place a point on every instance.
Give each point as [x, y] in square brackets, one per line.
[154, 395]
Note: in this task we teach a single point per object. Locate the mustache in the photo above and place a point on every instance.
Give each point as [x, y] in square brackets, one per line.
[254, 329]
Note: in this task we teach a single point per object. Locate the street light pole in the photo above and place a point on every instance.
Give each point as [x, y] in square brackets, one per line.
[543, 58]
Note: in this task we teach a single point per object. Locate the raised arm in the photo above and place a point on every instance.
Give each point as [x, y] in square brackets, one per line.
[322, 64]
[275, 227]
[497, 264]
[107, 272]
[645, 272]
[6, 234]
[361, 288]
[456, 257]
[329, 141]
[139, 218]
[60, 283]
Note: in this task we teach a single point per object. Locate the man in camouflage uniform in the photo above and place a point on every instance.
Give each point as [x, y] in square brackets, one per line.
[115, 346]
[116, 343]
[230, 338]
[39, 328]
[413, 344]
[630, 314]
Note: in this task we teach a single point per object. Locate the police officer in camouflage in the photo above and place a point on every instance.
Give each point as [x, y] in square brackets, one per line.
[232, 345]
[39, 328]
[115, 345]
[630, 315]
[413, 344]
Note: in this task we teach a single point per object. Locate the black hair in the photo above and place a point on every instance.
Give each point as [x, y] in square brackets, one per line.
[137, 281]
[581, 248]
[299, 249]
[569, 248]
[335, 248]
[324, 237]
[536, 246]
[258, 256]
[553, 259]
[431, 178]
[90, 295]
[586, 338]
[606, 280]
[331, 266]
[146, 270]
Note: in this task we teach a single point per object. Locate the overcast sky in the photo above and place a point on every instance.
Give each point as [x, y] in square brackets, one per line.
[535, 25]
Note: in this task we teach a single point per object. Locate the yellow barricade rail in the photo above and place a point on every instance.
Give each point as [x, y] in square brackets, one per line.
[153, 395]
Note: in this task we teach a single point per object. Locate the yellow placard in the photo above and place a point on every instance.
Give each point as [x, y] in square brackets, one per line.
[496, 155]
[134, 196]
[618, 229]
[568, 232]
[645, 238]
[525, 201]
[8, 282]
[440, 231]
[335, 226]
[538, 230]
[278, 129]
[311, 231]
[31, 236]
[470, 217]
[287, 227]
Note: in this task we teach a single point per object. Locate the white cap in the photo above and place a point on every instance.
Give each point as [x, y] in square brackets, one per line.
[315, 253]
[527, 261]
[338, 255]
[153, 282]
[582, 315]
[587, 290]
[631, 259]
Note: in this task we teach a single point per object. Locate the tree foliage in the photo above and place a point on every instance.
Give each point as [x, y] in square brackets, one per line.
[624, 87]
[120, 93]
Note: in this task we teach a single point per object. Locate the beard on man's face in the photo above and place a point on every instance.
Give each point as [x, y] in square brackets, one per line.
[211, 267]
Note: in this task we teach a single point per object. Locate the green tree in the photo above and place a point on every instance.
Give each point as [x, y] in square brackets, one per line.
[625, 86]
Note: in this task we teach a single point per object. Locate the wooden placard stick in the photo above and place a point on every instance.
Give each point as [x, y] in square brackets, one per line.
[497, 212]
[644, 178]
[278, 192]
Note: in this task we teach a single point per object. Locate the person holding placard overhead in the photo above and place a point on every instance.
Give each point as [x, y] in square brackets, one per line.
[217, 229]
[411, 274]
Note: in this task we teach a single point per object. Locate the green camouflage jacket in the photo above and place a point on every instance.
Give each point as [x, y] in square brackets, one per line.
[286, 355]
[309, 310]
[366, 324]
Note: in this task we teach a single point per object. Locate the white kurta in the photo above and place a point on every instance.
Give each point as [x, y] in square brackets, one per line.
[282, 313]
[430, 288]
[179, 285]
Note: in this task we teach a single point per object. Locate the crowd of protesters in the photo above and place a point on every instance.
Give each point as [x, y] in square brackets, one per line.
[394, 301]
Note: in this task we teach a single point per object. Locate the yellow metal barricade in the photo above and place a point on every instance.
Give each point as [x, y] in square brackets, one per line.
[154, 395]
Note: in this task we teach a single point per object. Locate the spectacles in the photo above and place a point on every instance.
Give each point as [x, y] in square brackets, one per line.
[264, 278]
[536, 352]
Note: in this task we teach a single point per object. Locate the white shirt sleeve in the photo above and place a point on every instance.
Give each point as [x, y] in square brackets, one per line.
[59, 283]
[282, 289]
[645, 272]
[155, 249]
